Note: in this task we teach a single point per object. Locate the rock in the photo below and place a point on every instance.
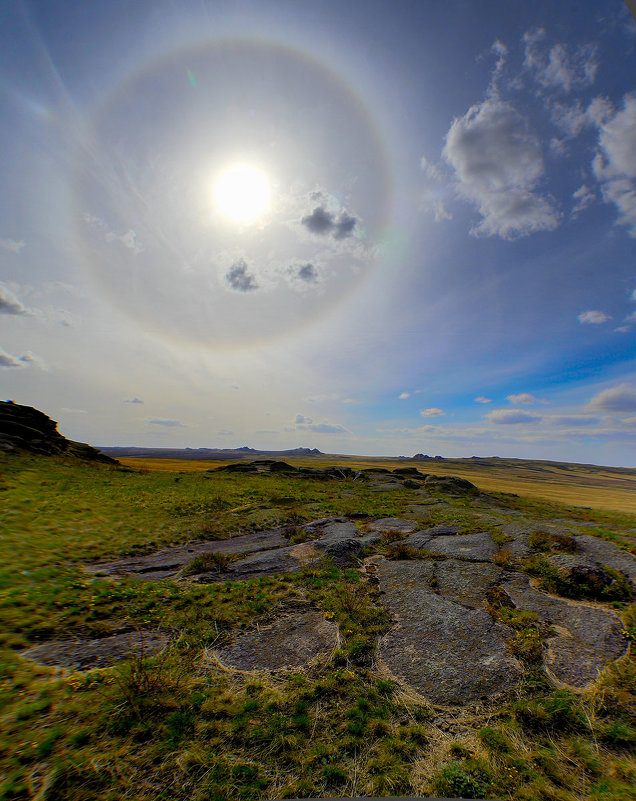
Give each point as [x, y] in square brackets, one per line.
[450, 654]
[587, 637]
[409, 471]
[290, 641]
[26, 428]
[169, 561]
[343, 552]
[467, 583]
[391, 524]
[472, 547]
[281, 467]
[410, 484]
[450, 484]
[87, 654]
[602, 552]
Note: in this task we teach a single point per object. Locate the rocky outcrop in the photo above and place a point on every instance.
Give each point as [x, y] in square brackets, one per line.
[28, 429]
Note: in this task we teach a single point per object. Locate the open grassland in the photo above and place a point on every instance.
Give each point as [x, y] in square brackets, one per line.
[611, 488]
[177, 726]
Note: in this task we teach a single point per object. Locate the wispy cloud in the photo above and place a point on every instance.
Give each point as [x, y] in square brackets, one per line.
[7, 360]
[12, 245]
[133, 400]
[404, 395]
[511, 417]
[300, 419]
[559, 66]
[239, 278]
[166, 423]
[432, 411]
[482, 399]
[593, 317]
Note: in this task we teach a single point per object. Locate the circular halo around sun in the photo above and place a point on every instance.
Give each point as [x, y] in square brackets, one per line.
[242, 193]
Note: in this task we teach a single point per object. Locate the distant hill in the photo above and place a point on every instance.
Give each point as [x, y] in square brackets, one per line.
[203, 453]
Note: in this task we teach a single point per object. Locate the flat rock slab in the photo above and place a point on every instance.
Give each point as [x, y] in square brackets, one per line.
[471, 547]
[587, 637]
[450, 654]
[168, 561]
[466, 583]
[290, 641]
[264, 563]
[606, 553]
[392, 524]
[88, 654]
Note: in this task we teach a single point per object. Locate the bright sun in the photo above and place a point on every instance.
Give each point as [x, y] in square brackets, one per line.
[241, 193]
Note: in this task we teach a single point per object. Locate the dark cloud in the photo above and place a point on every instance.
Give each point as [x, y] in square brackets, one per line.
[9, 303]
[616, 399]
[308, 273]
[167, 423]
[322, 222]
[239, 278]
[133, 400]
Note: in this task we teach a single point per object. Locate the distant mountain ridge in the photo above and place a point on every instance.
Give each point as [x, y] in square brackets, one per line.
[202, 453]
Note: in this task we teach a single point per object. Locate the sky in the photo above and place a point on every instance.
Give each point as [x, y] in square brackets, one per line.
[365, 227]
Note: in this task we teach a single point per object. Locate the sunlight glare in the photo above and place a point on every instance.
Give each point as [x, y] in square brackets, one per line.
[242, 194]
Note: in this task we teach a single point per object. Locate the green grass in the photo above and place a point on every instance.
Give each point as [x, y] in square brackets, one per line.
[175, 727]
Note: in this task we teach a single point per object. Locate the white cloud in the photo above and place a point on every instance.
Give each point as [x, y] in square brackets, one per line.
[570, 119]
[482, 399]
[432, 411]
[324, 428]
[404, 395]
[12, 245]
[511, 417]
[633, 295]
[583, 197]
[9, 303]
[7, 360]
[614, 164]
[560, 66]
[498, 163]
[523, 398]
[593, 317]
[621, 398]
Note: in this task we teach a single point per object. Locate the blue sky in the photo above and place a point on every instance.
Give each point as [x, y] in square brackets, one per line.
[376, 228]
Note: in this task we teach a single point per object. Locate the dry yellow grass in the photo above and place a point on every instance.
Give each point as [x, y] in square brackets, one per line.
[571, 484]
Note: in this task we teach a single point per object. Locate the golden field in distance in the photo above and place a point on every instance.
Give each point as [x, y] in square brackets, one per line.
[590, 486]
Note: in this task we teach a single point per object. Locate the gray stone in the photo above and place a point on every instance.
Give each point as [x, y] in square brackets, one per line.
[450, 654]
[289, 641]
[473, 547]
[587, 637]
[392, 524]
[451, 484]
[103, 652]
[606, 553]
[169, 561]
[466, 583]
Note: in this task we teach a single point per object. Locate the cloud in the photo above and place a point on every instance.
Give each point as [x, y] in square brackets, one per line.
[404, 395]
[302, 419]
[166, 423]
[9, 303]
[133, 400]
[322, 222]
[511, 417]
[498, 162]
[569, 119]
[326, 428]
[523, 398]
[304, 275]
[573, 420]
[559, 67]
[621, 398]
[12, 245]
[482, 399]
[432, 411]
[614, 164]
[239, 279]
[593, 317]
[7, 360]
[583, 197]
[633, 295]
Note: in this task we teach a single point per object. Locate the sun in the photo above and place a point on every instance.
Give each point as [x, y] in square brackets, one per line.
[242, 194]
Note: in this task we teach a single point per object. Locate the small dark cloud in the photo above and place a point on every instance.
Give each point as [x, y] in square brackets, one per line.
[300, 419]
[344, 226]
[322, 222]
[167, 423]
[133, 400]
[308, 273]
[239, 278]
